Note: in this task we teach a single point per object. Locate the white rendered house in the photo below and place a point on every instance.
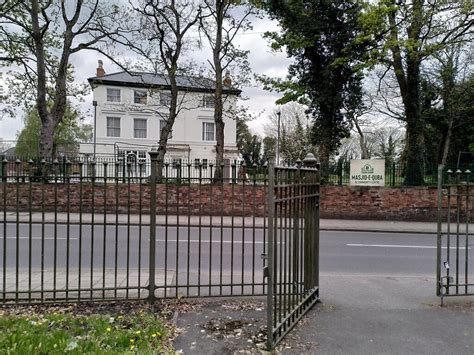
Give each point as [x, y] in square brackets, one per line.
[131, 109]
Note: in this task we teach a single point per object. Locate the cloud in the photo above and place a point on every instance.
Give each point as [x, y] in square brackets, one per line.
[261, 58]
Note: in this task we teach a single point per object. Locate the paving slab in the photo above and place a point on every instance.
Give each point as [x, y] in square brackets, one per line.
[359, 314]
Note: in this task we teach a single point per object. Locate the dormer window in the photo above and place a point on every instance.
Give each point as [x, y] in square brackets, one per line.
[208, 101]
[139, 97]
[113, 95]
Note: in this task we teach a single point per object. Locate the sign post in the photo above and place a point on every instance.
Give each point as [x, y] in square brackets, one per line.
[367, 172]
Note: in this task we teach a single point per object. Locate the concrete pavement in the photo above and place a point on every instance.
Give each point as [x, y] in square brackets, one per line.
[237, 221]
[359, 314]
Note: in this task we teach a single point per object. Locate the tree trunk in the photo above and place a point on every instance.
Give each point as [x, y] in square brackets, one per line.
[447, 141]
[414, 154]
[409, 85]
[165, 132]
[362, 142]
[218, 109]
[415, 125]
[324, 157]
[46, 143]
[219, 174]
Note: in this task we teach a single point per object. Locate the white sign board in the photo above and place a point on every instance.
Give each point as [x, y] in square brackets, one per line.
[368, 172]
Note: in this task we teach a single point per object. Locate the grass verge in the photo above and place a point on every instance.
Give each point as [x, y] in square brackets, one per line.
[57, 331]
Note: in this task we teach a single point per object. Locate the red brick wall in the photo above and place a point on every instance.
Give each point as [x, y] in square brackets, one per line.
[204, 199]
[415, 203]
[350, 202]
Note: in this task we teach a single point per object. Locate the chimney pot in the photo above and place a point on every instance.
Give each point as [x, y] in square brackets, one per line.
[100, 69]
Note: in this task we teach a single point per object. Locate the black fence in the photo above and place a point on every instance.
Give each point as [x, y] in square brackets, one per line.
[77, 230]
[293, 247]
[339, 174]
[455, 267]
[132, 166]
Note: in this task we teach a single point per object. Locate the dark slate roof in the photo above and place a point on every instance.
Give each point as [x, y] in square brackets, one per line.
[151, 80]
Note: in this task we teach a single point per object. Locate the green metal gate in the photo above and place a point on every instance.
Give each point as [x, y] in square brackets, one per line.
[455, 275]
[293, 247]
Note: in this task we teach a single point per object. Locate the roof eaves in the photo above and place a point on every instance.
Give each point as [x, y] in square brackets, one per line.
[102, 81]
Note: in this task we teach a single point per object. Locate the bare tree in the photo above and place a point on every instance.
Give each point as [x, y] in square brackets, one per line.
[361, 123]
[294, 132]
[452, 74]
[220, 28]
[37, 40]
[389, 143]
[165, 25]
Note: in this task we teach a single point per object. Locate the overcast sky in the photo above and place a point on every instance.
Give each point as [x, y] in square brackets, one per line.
[262, 60]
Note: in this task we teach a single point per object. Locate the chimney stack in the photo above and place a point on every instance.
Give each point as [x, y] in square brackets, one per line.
[227, 79]
[100, 70]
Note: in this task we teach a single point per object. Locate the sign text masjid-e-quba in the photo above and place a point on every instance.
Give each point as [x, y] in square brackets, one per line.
[367, 172]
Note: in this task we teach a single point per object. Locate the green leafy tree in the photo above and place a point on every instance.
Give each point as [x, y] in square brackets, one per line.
[269, 149]
[449, 126]
[320, 37]
[67, 136]
[407, 34]
[296, 144]
[248, 144]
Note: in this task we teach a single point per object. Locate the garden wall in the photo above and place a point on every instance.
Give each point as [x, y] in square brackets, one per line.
[345, 202]
[379, 203]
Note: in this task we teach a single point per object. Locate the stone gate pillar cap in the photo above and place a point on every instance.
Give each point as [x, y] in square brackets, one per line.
[310, 159]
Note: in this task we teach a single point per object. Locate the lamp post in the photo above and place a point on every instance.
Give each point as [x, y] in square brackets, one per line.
[278, 138]
[94, 103]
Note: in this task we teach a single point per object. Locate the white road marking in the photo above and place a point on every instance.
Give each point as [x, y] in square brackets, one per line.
[39, 238]
[214, 241]
[401, 246]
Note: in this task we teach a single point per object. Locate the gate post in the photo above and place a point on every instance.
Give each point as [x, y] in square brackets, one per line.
[270, 251]
[439, 230]
[151, 260]
[311, 220]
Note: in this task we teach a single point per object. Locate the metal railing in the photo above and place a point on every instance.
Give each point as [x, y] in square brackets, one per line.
[73, 231]
[339, 174]
[125, 168]
[129, 166]
[293, 248]
[454, 268]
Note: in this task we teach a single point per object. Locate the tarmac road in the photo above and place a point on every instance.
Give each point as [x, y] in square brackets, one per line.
[355, 252]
